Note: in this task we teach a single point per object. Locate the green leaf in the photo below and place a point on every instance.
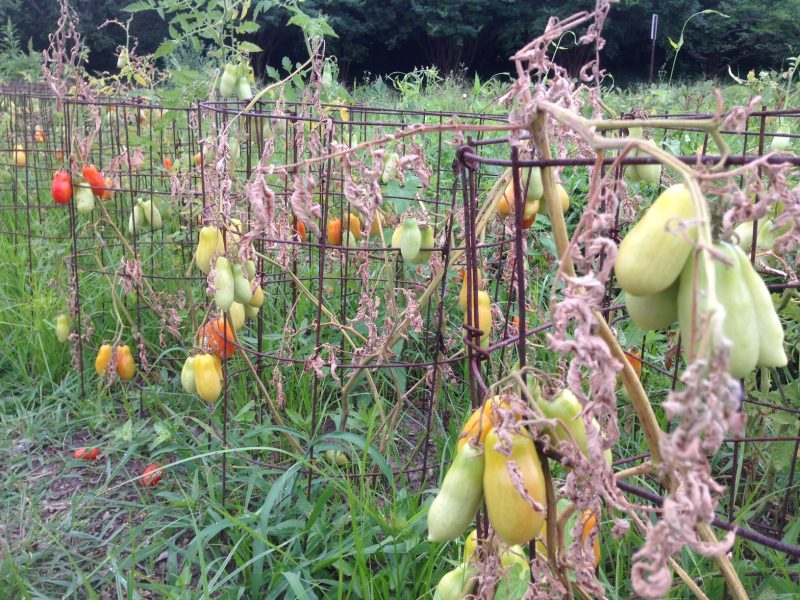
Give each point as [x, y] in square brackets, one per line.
[248, 27]
[297, 586]
[249, 47]
[125, 432]
[137, 7]
[167, 47]
[162, 434]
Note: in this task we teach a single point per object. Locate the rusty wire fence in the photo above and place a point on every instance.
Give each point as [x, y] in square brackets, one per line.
[336, 331]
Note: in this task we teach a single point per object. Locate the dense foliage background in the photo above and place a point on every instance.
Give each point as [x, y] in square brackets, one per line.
[480, 35]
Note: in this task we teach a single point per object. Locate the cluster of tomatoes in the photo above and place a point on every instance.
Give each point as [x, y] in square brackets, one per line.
[93, 181]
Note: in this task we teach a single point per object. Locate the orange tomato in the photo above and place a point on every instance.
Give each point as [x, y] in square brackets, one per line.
[300, 229]
[151, 475]
[126, 366]
[94, 179]
[59, 155]
[335, 229]
[102, 360]
[481, 421]
[167, 163]
[505, 206]
[589, 521]
[635, 359]
[335, 232]
[108, 193]
[198, 158]
[376, 225]
[220, 338]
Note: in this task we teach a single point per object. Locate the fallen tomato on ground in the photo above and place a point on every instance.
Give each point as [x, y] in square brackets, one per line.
[87, 453]
[151, 475]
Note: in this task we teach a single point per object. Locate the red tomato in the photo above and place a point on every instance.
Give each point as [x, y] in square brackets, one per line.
[94, 179]
[87, 453]
[167, 163]
[61, 190]
[151, 475]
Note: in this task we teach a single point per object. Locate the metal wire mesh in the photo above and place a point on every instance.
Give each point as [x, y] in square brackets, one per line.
[332, 306]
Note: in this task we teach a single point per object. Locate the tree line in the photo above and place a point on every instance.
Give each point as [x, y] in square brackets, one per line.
[478, 35]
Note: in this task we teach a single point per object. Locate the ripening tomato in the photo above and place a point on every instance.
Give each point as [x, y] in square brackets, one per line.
[86, 453]
[512, 516]
[335, 229]
[481, 421]
[94, 179]
[635, 358]
[59, 155]
[19, 156]
[126, 366]
[300, 229]
[220, 338]
[151, 475]
[108, 192]
[103, 358]
[61, 189]
[38, 134]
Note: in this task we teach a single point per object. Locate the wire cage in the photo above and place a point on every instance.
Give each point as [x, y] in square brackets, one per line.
[135, 239]
[341, 331]
[348, 320]
[773, 427]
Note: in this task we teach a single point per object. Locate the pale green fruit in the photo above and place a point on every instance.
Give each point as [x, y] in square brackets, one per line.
[238, 314]
[781, 144]
[137, 219]
[152, 214]
[427, 241]
[223, 283]
[410, 240]
[187, 376]
[458, 500]
[456, 584]
[241, 287]
[336, 457]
